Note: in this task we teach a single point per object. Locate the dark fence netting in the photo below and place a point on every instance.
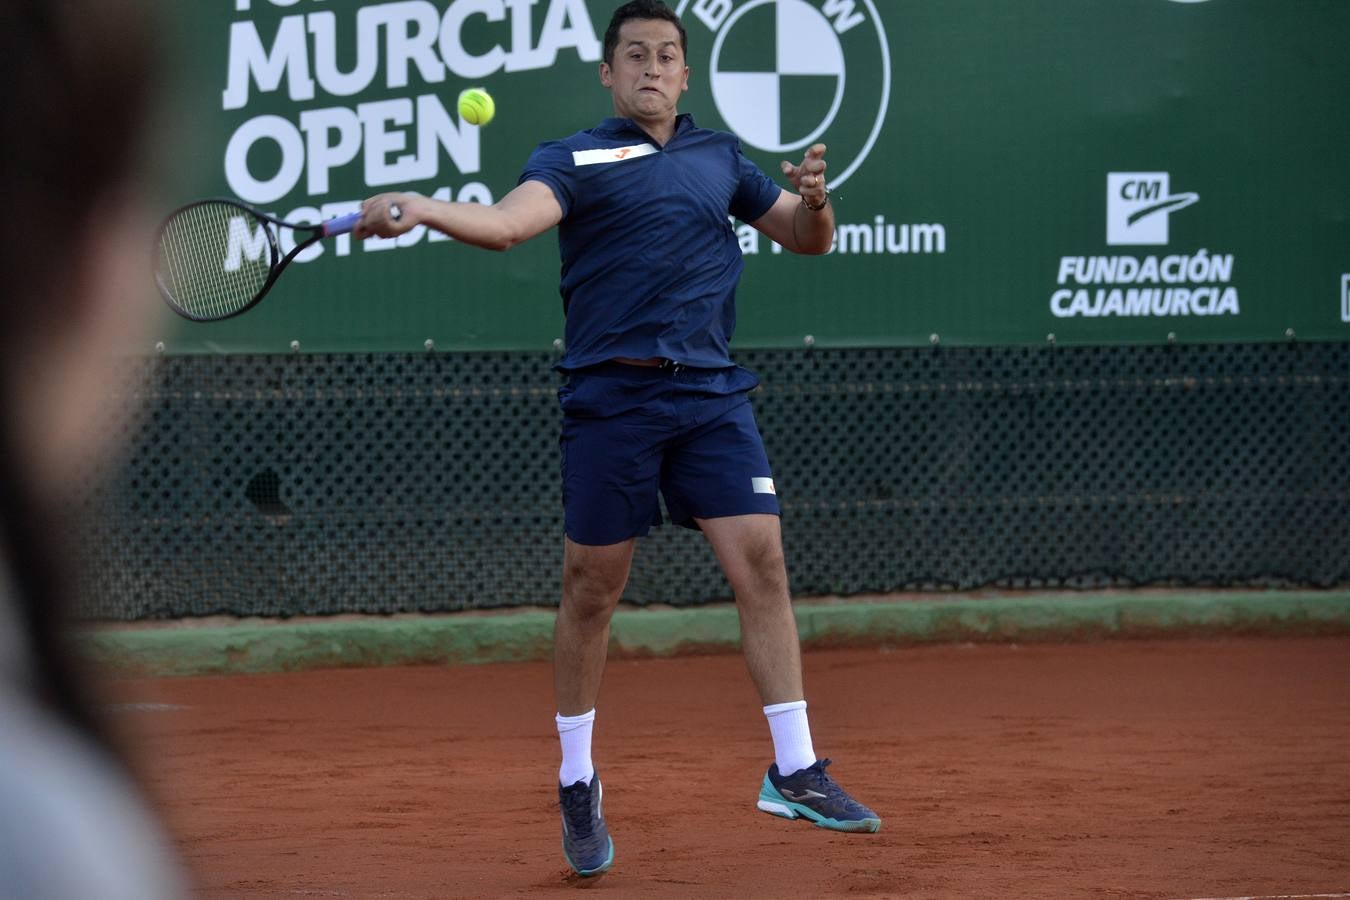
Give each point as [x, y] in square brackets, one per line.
[318, 484]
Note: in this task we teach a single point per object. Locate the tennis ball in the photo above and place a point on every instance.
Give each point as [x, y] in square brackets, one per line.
[476, 106]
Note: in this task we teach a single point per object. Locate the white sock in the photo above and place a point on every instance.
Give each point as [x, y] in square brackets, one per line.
[575, 734]
[791, 736]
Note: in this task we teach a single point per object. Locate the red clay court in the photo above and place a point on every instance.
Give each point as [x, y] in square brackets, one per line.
[1172, 769]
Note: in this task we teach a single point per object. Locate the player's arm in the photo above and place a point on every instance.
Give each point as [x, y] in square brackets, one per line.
[528, 210]
[802, 222]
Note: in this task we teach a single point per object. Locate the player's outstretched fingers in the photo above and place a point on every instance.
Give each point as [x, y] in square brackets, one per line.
[809, 177]
[814, 161]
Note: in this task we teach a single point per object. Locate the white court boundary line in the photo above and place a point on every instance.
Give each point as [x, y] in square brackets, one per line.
[1270, 897]
[150, 707]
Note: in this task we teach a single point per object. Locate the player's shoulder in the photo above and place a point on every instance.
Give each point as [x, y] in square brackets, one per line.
[690, 134]
[689, 128]
[608, 134]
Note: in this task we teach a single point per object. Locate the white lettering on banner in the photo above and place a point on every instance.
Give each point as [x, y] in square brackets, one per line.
[323, 26]
[1198, 267]
[880, 237]
[335, 136]
[250, 61]
[412, 39]
[414, 33]
[1103, 302]
[397, 140]
[244, 245]
[381, 141]
[563, 28]
[748, 238]
[466, 64]
[264, 190]
[1138, 205]
[844, 16]
[712, 13]
[884, 237]
[323, 155]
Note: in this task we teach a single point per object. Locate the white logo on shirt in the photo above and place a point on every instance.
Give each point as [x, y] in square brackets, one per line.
[611, 154]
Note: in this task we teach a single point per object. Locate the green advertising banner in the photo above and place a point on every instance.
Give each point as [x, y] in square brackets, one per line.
[1103, 171]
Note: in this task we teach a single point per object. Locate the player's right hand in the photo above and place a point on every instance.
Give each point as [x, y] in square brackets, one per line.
[387, 215]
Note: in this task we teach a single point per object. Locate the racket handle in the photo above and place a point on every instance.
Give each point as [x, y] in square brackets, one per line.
[341, 225]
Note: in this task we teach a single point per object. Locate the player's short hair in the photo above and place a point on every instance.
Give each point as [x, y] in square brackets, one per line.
[642, 9]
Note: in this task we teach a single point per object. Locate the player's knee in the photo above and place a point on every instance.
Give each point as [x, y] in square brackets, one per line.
[590, 593]
[589, 606]
[764, 570]
[765, 557]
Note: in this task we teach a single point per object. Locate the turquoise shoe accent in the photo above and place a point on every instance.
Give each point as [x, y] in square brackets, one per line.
[586, 843]
[598, 870]
[813, 795]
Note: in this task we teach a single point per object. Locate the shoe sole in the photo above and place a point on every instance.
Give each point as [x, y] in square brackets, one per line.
[598, 870]
[776, 805]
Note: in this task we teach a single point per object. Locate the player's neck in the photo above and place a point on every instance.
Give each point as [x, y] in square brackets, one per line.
[660, 130]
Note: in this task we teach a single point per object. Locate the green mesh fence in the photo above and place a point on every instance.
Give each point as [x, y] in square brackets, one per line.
[313, 484]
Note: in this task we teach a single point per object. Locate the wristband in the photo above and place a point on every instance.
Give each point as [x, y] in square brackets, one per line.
[824, 203]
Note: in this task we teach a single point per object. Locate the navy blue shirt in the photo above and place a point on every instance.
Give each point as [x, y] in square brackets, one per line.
[650, 260]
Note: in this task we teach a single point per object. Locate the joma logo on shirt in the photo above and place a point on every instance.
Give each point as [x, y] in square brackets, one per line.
[611, 154]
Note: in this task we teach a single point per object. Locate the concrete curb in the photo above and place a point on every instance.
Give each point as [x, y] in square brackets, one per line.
[527, 635]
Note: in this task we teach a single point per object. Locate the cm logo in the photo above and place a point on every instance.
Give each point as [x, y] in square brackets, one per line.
[1138, 205]
[783, 74]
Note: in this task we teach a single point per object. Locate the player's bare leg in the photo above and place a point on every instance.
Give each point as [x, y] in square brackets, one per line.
[750, 550]
[593, 579]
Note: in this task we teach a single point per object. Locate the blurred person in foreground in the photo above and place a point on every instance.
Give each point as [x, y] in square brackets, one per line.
[72, 824]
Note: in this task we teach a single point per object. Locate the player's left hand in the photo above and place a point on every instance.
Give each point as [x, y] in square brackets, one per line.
[809, 177]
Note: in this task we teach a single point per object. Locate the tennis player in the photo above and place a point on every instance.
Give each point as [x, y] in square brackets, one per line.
[654, 402]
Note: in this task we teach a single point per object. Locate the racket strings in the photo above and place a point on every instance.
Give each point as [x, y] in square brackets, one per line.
[214, 259]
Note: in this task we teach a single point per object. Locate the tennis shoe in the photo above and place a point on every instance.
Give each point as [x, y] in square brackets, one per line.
[812, 794]
[586, 842]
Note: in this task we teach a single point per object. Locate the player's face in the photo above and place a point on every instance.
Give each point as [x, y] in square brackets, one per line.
[648, 74]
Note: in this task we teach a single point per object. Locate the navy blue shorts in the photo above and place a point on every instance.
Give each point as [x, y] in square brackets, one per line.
[631, 431]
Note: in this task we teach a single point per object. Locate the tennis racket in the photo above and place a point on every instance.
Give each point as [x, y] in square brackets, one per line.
[217, 258]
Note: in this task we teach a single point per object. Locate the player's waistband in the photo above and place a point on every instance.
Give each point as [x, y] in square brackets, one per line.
[656, 369]
[652, 362]
[732, 379]
[653, 368]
